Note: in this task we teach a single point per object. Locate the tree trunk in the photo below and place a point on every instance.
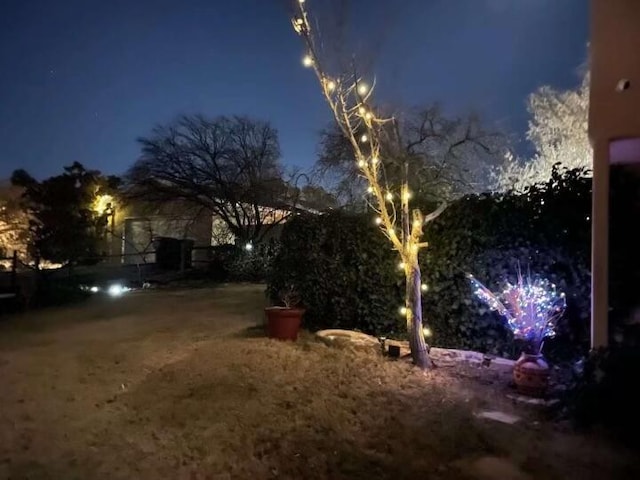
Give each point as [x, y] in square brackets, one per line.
[413, 298]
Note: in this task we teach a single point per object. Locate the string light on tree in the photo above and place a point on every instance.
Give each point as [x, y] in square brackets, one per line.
[307, 61]
[403, 311]
[424, 287]
[351, 101]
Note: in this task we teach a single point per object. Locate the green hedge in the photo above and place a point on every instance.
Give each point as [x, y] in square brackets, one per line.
[545, 232]
[344, 271]
[347, 276]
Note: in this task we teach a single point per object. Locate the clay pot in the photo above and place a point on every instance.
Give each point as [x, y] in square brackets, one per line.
[283, 323]
[531, 375]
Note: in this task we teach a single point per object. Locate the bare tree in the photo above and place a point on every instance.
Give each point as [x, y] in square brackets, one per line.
[449, 157]
[227, 165]
[371, 135]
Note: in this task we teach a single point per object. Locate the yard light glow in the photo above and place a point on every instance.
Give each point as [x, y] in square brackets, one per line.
[116, 290]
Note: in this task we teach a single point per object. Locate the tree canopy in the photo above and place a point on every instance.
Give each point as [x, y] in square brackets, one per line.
[558, 130]
[448, 157]
[227, 165]
[64, 225]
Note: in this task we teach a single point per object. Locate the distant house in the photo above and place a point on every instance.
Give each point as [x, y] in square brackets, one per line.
[135, 226]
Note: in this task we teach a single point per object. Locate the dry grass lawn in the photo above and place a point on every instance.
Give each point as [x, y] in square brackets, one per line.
[177, 385]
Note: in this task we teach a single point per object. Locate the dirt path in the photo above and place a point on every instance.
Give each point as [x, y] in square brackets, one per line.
[176, 385]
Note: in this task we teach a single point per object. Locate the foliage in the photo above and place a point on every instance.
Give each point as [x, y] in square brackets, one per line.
[606, 393]
[344, 271]
[226, 165]
[558, 130]
[253, 265]
[546, 230]
[64, 226]
[14, 222]
[448, 157]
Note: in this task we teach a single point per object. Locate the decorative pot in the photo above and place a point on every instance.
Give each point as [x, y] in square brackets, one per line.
[283, 323]
[531, 375]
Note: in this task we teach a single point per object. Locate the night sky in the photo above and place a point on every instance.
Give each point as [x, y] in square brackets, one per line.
[81, 79]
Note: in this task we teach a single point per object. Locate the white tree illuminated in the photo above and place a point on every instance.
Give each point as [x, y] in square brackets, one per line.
[558, 130]
[350, 98]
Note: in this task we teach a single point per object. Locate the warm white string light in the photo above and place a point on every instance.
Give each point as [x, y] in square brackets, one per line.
[350, 99]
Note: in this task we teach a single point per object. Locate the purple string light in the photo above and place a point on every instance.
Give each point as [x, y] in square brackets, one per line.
[531, 308]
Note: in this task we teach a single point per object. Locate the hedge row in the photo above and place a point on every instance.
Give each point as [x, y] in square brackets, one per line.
[347, 276]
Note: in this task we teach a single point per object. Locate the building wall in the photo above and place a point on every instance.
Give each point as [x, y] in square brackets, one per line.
[614, 129]
[615, 56]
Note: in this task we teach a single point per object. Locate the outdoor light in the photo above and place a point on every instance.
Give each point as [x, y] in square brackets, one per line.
[374, 160]
[403, 311]
[116, 290]
[401, 266]
[331, 85]
[424, 287]
[364, 138]
[378, 220]
[248, 247]
[94, 289]
[389, 196]
[361, 163]
[307, 61]
[363, 89]
[369, 189]
[426, 331]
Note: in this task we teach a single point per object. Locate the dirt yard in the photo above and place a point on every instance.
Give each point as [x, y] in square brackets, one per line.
[178, 385]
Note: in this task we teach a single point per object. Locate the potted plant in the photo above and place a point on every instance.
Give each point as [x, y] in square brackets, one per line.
[532, 309]
[283, 322]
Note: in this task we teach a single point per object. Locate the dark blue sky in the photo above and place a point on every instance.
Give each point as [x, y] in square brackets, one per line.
[81, 79]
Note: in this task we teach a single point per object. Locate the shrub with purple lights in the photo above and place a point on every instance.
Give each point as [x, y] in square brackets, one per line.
[531, 308]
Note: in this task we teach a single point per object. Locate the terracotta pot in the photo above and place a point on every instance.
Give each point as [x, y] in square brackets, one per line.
[283, 323]
[531, 375]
